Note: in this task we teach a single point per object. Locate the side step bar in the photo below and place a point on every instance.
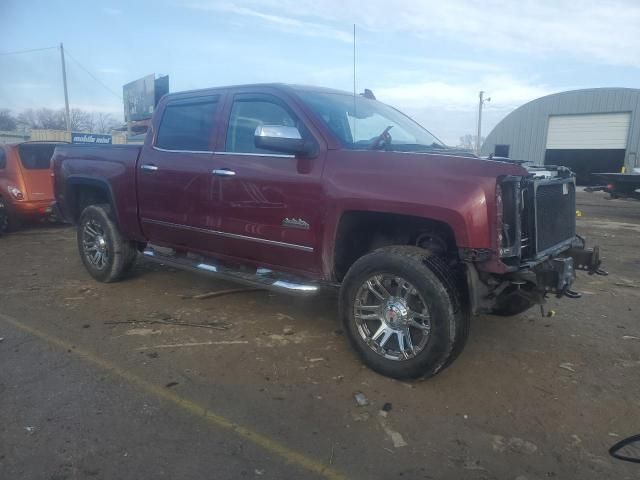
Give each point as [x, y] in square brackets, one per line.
[262, 278]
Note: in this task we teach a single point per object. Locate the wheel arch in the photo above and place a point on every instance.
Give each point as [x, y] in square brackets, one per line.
[359, 232]
[82, 191]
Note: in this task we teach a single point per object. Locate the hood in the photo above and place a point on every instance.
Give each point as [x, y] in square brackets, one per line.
[461, 164]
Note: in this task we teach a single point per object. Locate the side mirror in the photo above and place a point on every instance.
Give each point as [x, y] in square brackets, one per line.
[282, 139]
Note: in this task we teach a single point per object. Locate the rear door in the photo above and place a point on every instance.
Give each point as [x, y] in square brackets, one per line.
[177, 203]
[271, 204]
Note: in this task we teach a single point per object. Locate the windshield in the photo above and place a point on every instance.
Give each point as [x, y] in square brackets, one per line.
[362, 123]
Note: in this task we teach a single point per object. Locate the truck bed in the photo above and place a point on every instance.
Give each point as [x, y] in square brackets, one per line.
[112, 167]
[114, 153]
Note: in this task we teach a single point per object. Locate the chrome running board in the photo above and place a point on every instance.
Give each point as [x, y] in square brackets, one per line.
[262, 278]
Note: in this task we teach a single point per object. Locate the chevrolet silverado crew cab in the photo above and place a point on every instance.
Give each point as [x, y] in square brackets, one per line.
[297, 188]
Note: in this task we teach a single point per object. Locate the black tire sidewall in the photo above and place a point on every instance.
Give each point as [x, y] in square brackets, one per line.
[12, 222]
[115, 261]
[4, 217]
[443, 319]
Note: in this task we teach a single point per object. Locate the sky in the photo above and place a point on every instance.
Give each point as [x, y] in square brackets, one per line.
[428, 58]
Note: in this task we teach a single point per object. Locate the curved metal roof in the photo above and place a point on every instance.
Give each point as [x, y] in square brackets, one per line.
[525, 129]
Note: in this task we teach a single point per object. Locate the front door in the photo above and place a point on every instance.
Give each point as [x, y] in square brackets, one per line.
[175, 181]
[271, 205]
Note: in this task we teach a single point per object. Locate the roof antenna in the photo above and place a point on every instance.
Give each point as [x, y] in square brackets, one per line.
[353, 135]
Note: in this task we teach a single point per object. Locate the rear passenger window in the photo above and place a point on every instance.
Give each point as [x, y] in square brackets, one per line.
[3, 159]
[249, 113]
[187, 124]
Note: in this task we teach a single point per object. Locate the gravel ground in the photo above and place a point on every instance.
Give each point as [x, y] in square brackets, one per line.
[119, 393]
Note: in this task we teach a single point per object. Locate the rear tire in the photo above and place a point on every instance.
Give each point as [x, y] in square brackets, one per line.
[105, 253]
[403, 313]
[4, 218]
[11, 223]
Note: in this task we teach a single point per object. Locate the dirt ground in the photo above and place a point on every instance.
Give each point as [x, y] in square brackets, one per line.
[93, 384]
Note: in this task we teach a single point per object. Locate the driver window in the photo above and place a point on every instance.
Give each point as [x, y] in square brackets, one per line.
[246, 116]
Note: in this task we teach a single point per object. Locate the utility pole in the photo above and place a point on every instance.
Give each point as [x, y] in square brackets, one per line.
[67, 118]
[480, 105]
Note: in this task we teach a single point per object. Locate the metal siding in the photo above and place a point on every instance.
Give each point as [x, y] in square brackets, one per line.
[631, 159]
[525, 129]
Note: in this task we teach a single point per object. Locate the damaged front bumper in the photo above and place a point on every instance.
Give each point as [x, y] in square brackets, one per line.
[557, 273]
[552, 275]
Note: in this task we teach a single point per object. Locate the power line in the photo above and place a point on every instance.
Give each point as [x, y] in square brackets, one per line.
[72, 58]
[92, 75]
[16, 52]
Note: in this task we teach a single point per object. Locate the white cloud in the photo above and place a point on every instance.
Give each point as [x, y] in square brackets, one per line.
[449, 109]
[507, 91]
[453, 66]
[602, 31]
[442, 92]
[281, 22]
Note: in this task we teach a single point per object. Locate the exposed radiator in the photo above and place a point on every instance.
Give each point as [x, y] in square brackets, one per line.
[555, 214]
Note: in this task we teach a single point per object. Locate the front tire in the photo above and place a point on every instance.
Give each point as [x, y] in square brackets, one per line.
[105, 253]
[403, 313]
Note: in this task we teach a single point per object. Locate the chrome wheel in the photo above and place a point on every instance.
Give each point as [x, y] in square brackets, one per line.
[392, 317]
[94, 244]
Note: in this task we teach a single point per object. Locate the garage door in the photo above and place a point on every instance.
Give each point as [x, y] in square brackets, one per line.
[590, 132]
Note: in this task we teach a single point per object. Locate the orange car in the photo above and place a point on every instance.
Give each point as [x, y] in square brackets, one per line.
[26, 187]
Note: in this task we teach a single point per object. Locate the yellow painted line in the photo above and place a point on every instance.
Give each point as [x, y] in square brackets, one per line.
[290, 456]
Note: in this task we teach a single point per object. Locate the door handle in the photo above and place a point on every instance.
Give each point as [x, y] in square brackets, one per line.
[223, 172]
[149, 166]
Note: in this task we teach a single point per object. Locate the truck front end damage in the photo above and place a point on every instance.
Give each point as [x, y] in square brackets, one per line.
[537, 248]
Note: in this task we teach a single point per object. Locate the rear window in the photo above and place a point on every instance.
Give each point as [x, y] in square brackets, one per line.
[187, 124]
[34, 156]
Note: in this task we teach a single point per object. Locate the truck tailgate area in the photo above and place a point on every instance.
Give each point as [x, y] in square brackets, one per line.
[109, 170]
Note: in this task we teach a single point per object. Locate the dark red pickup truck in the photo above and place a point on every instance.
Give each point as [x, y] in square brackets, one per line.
[297, 188]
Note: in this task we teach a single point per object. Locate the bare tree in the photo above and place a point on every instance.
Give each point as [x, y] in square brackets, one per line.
[27, 118]
[104, 122]
[7, 120]
[53, 119]
[468, 141]
[46, 118]
[42, 118]
[81, 121]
